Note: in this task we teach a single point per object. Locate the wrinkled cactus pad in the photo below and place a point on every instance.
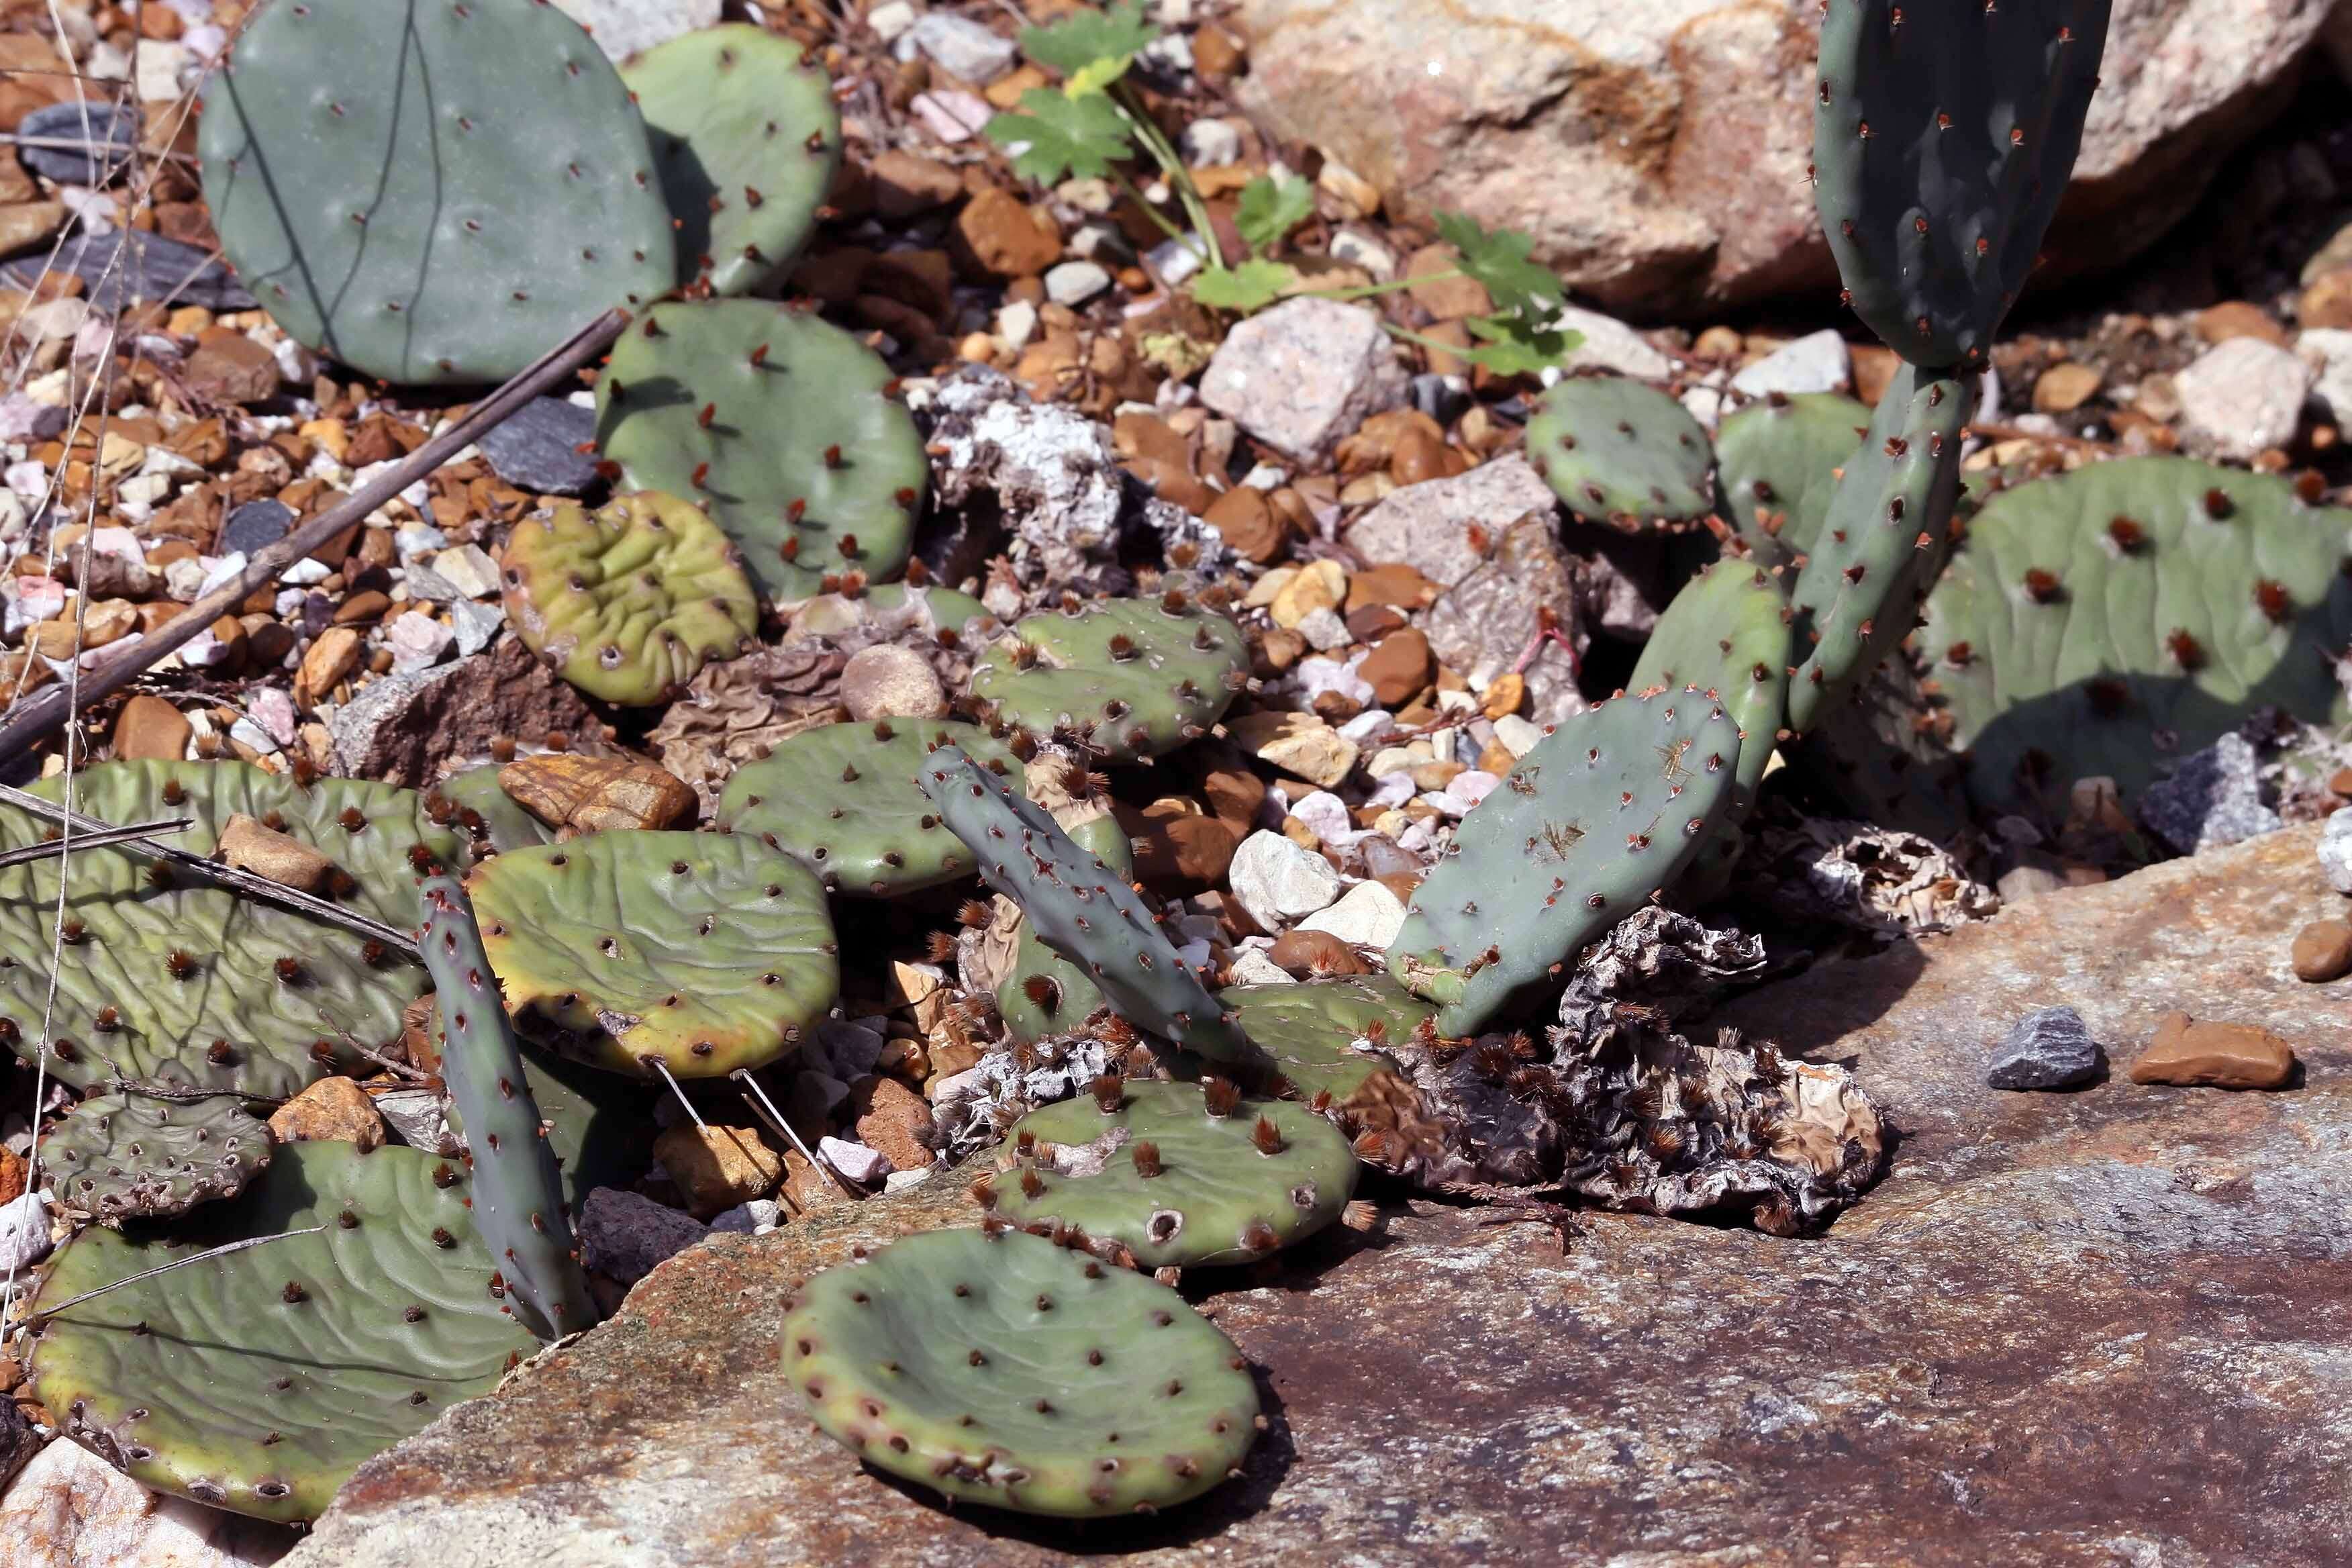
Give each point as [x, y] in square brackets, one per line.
[1131, 678]
[703, 952]
[627, 602]
[1778, 461]
[1622, 453]
[258, 1380]
[998, 1368]
[132, 1155]
[474, 803]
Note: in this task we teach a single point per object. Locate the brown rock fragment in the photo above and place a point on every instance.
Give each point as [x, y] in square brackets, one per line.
[717, 1167]
[1006, 238]
[150, 729]
[329, 661]
[1310, 953]
[2323, 952]
[564, 789]
[1399, 668]
[246, 845]
[2216, 1055]
[893, 1119]
[331, 1111]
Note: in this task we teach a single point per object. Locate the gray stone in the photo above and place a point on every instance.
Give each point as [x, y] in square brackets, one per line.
[1444, 398]
[2215, 797]
[111, 132]
[626, 1236]
[70, 1509]
[477, 624]
[254, 526]
[1610, 344]
[757, 1218]
[625, 27]
[1073, 283]
[399, 729]
[2335, 852]
[538, 447]
[1368, 914]
[1816, 362]
[965, 48]
[1303, 376]
[1280, 880]
[24, 1232]
[2050, 1048]
[417, 1117]
[2328, 352]
[127, 264]
[2243, 396]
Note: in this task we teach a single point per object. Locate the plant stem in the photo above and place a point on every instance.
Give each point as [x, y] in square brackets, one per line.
[1188, 241]
[1180, 179]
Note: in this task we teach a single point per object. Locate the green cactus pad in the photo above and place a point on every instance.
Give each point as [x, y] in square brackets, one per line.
[1622, 453]
[259, 1380]
[2090, 613]
[1174, 1185]
[629, 601]
[747, 140]
[703, 952]
[477, 806]
[1081, 803]
[882, 606]
[129, 1155]
[184, 984]
[1884, 541]
[600, 1124]
[777, 424]
[1943, 137]
[430, 192]
[841, 800]
[1607, 809]
[1132, 678]
[998, 1368]
[1309, 1028]
[1778, 461]
[1043, 994]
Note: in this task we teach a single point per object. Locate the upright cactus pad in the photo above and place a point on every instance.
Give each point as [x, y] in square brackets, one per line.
[1609, 808]
[1325, 1036]
[1622, 453]
[777, 424]
[1177, 1174]
[129, 1155]
[628, 601]
[518, 1191]
[2109, 620]
[747, 140]
[1943, 137]
[182, 985]
[1044, 994]
[1778, 461]
[703, 952]
[1076, 905]
[259, 1380]
[430, 192]
[473, 803]
[998, 1368]
[1131, 678]
[841, 800]
[1885, 539]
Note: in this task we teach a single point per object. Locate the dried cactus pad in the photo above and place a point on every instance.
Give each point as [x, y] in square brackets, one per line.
[776, 423]
[436, 192]
[1779, 461]
[747, 140]
[999, 1368]
[184, 984]
[1622, 453]
[703, 952]
[129, 1155]
[259, 1380]
[1177, 1186]
[628, 601]
[1133, 678]
[841, 800]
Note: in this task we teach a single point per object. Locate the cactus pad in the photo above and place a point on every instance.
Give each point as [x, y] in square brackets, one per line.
[777, 424]
[128, 1155]
[1622, 453]
[430, 192]
[627, 602]
[1607, 809]
[1043, 994]
[841, 799]
[747, 140]
[1778, 461]
[1943, 137]
[1310, 1029]
[704, 952]
[184, 984]
[474, 803]
[998, 1368]
[258, 1380]
[1132, 678]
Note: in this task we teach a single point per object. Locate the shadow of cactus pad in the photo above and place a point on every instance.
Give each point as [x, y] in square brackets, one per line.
[132, 1155]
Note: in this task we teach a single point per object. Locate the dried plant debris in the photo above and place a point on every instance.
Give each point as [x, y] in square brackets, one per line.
[1876, 880]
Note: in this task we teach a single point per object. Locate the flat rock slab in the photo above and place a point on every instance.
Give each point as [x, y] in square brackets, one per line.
[2081, 1328]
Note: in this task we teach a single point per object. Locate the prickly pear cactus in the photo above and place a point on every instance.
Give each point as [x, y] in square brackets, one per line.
[430, 192]
[777, 424]
[998, 1368]
[1177, 1174]
[1778, 461]
[841, 800]
[892, 608]
[1131, 678]
[1609, 808]
[1622, 453]
[1884, 541]
[747, 140]
[258, 1380]
[1324, 1035]
[1943, 137]
[474, 803]
[1044, 994]
[166, 981]
[599, 1125]
[702, 952]
[2112, 619]
[1076, 905]
[1080, 800]
[518, 1194]
[629, 601]
[131, 1155]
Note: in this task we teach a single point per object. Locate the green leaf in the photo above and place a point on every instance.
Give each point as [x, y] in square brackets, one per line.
[1064, 136]
[1094, 77]
[1252, 286]
[1518, 286]
[1269, 210]
[1091, 37]
[1513, 346]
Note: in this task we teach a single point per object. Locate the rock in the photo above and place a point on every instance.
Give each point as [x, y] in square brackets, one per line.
[1816, 362]
[1399, 666]
[1278, 881]
[1315, 586]
[1301, 376]
[230, 368]
[12, 1175]
[886, 680]
[893, 1119]
[249, 846]
[626, 1236]
[757, 1218]
[2328, 352]
[126, 264]
[2323, 952]
[149, 729]
[964, 48]
[2215, 797]
[27, 224]
[717, 1167]
[538, 447]
[252, 528]
[468, 570]
[108, 134]
[1299, 743]
[415, 1118]
[402, 727]
[906, 184]
[2238, 319]
[1072, 283]
[1002, 237]
[1184, 852]
[331, 659]
[2327, 301]
[70, 1509]
[2241, 397]
[1367, 915]
[18, 1443]
[2050, 1048]
[24, 1232]
[2335, 852]
[590, 795]
[2064, 387]
[1302, 952]
[625, 27]
[860, 1163]
[2189, 1054]
[331, 1111]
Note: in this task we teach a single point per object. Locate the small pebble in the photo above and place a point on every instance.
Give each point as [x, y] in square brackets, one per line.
[2214, 1056]
[2050, 1048]
[2323, 952]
